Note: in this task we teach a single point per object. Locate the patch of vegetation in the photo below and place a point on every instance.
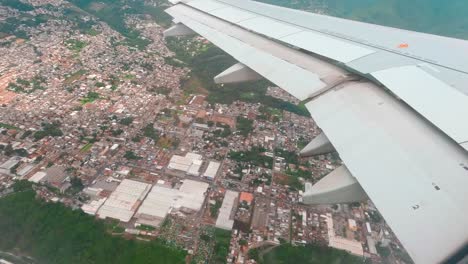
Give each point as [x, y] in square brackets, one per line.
[150, 132]
[290, 157]
[26, 134]
[254, 253]
[27, 86]
[145, 228]
[114, 12]
[222, 240]
[17, 25]
[129, 76]
[92, 32]
[264, 178]
[75, 45]
[52, 233]
[254, 156]
[158, 14]
[8, 150]
[17, 4]
[137, 139]
[292, 178]
[214, 208]
[269, 113]
[223, 132]
[76, 185]
[48, 129]
[126, 121]
[116, 132]
[384, 252]
[7, 126]
[309, 254]
[86, 147]
[193, 86]
[130, 155]
[114, 82]
[299, 173]
[167, 142]
[74, 76]
[90, 97]
[21, 152]
[244, 125]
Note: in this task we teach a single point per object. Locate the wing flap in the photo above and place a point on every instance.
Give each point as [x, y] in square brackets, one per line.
[412, 173]
[439, 103]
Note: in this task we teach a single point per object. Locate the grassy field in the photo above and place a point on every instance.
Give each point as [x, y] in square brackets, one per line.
[86, 147]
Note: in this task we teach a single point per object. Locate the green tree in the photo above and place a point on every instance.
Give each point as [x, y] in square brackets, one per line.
[244, 125]
[8, 150]
[54, 234]
[126, 121]
[130, 155]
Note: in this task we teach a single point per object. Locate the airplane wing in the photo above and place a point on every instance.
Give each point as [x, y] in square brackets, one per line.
[392, 102]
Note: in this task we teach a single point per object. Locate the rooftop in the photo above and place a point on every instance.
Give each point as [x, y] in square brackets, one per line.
[161, 200]
[124, 201]
[225, 221]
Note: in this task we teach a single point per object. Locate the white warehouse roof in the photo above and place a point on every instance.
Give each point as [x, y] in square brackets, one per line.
[190, 164]
[92, 207]
[37, 177]
[124, 201]
[224, 220]
[161, 200]
[212, 169]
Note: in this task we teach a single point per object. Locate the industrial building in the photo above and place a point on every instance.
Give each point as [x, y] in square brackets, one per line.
[211, 170]
[226, 215]
[55, 176]
[92, 207]
[124, 201]
[352, 246]
[7, 165]
[37, 177]
[163, 199]
[190, 163]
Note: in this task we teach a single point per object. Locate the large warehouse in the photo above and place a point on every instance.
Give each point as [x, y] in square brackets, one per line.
[162, 200]
[124, 201]
[225, 218]
[212, 170]
[190, 163]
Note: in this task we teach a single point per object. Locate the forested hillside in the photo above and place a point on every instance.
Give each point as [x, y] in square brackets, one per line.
[53, 233]
[442, 17]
